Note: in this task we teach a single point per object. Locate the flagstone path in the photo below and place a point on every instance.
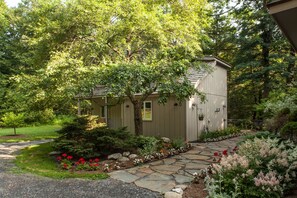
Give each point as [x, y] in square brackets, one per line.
[177, 171]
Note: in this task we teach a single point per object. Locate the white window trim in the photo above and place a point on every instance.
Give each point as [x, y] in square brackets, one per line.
[143, 117]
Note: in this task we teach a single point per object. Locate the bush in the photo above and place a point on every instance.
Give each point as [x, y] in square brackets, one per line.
[63, 119]
[293, 116]
[261, 134]
[215, 135]
[40, 117]
[148, 145]
[79, 142]
[289, 131]
[260, 168]
[177, 143]
[85, 138]
[11, 120]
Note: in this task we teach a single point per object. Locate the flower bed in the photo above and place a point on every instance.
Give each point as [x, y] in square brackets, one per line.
[82, 142]
[227, 133]
[68, 162]
[257, 168]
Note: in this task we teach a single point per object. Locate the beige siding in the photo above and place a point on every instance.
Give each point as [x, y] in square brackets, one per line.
[168, 120]
[96, 104]
[215, 88]
[113, 111]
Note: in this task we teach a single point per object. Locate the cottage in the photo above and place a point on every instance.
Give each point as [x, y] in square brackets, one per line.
[186, 120]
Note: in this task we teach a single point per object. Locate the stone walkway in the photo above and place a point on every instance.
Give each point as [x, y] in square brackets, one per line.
[175, 172]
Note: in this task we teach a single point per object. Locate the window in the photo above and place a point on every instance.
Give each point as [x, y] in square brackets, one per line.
[102, 113]
[146, 110]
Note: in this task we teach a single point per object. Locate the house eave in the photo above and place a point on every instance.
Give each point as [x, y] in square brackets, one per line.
[284, 12]
[219, 61]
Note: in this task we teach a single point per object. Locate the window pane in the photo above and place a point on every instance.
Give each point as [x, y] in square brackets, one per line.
[103, 111]
[148, 105]
[146, 110]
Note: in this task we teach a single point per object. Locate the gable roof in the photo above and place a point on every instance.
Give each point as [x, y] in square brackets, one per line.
[194, 75]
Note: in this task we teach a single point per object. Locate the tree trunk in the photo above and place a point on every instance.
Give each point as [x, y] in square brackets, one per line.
[14, 130]
[290, 67]
[138, 117]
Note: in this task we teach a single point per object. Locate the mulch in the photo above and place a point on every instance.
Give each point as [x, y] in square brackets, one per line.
[17, 136]
[195, 190]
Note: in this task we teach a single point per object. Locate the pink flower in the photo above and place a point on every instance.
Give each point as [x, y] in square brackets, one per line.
[59, 158]
[64, 155]
[69, 157]
[96, 160]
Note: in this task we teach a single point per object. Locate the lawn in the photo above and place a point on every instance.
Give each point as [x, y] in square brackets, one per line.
[36, 159]
[29, 133]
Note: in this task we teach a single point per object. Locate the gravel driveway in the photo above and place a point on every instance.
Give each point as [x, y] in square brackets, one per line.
[27, 185]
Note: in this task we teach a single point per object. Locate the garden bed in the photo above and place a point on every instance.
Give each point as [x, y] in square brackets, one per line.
[116, 161]
[258, 167]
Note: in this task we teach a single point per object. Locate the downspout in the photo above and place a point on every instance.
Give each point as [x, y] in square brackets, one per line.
[105, 111]
[197, 120]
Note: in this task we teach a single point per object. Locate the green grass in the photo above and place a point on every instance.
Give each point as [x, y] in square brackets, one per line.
[29, 133]
[36, 159]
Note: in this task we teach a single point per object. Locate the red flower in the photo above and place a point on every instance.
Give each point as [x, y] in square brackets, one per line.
[96, 160]
[76, 163]
[91, 160]
[69, 157]
[225, 152]
[64, 155]
[65, 165]
[216, 154]
[59, 158]
[81, 159]
[90, 165]
[96, 164]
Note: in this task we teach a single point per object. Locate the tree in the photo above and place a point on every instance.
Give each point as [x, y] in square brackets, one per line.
[261, 62]
[60, 47]
[11, 120]
[149, 46]
[138, 81]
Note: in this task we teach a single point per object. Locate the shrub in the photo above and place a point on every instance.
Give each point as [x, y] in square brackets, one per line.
[177, 143]
[261, 134]
[289, 131]
[12, 120]
[260, 168]
[215, 135]
[63, 119]
[40, 117]
[84, 138]
[147, 145]
[78, 141]
[293, 116]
